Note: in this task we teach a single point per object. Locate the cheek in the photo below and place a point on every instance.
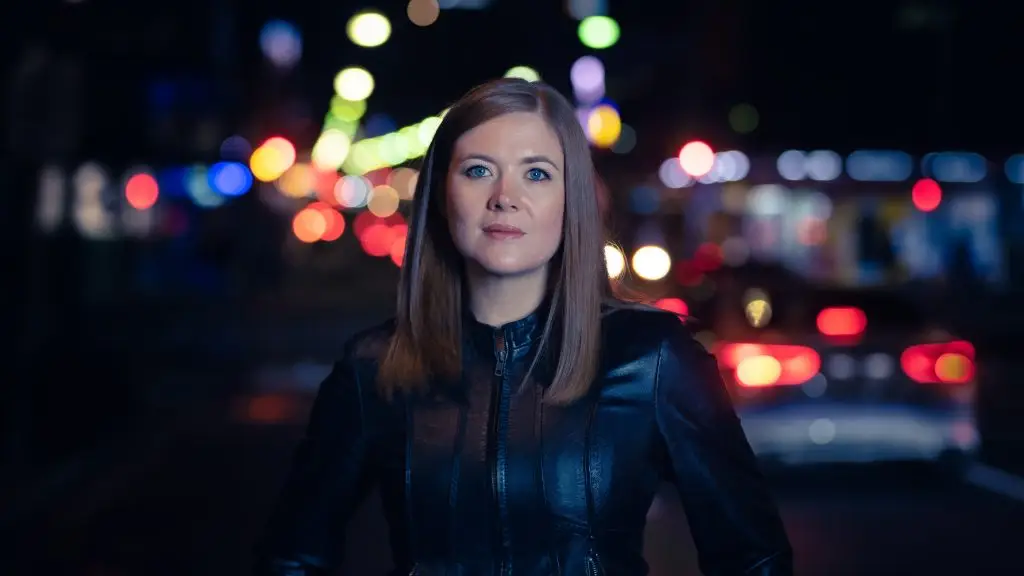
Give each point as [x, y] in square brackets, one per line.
[550, 219]
[460, 213]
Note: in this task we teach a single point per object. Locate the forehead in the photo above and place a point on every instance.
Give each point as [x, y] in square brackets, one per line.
[513, 135]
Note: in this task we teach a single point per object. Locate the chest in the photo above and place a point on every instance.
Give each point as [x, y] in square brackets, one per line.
[500, 451]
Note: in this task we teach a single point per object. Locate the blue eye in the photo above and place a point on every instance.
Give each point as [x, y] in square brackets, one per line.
[537, 175]
[476, 171]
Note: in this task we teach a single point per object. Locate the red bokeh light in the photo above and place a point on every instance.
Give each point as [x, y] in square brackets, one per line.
[926, 195]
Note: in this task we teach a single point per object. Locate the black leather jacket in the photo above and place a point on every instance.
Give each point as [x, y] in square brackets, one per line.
[493, 482]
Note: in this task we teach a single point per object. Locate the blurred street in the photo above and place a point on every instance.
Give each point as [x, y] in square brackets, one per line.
[195, 498]
[208, 198]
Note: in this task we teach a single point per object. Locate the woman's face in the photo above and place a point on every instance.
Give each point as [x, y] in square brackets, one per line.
[506, 194]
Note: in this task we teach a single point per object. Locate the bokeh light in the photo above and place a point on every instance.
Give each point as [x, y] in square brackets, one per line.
[423, 12]
[926, 195]
[229, 178]
[354, 84]
[369, 29]
[331, 150]
[383, 201]
[598, 32]
[524, 72]
[308, 225]
[141, 191]
[604, 126]
[696, 158]
[651, 262]
[272, 159]
[587, 77]
[743, 118]
[614, 260]
[281, 43]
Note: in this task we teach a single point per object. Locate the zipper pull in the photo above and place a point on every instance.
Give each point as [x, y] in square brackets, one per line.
[500, 354]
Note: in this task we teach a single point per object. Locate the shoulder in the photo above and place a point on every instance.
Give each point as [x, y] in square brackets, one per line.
[361, 352]
[631, 331]
[351, 380]
[368, 344]
[686, 379]
[643, 323]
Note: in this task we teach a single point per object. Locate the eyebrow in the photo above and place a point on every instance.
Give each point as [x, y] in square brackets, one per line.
[525, 160]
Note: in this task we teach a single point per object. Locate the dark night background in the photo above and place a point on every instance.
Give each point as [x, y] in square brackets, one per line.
[163, 356]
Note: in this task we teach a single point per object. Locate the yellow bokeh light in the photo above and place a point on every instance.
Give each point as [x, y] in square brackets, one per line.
[383, 201]
[369, 29]
[651, 262]
[952, 367]
[758, 371]
[354, 84]
[758, 312]
[298, 181]
[523, 72]
[423, 12]
[269, 162]
[604, 126]
[330, 150]
[614, 260]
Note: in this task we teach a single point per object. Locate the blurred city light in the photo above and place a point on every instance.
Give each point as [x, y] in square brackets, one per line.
[281, 43]
[423, 12]
[598, 32]
[141, 191]
[626, 141]
[604, 126]
[354, 84]
[743, 118]
[523, 72]
[580, 9]
[926, 195]
[651, 262]
[674, 305]
[229, 178]
[614, 260]
[330, 150]
[383, 201]
[272, 159]
[587, 76]
[369, 29]
[309, 225]
[696, 158]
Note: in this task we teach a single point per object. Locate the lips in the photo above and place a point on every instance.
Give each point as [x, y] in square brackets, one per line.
[502, 231]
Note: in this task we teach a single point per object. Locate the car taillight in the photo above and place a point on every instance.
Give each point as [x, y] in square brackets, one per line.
[939, 363]
[674, 305]
[842, 322]
[760, 365]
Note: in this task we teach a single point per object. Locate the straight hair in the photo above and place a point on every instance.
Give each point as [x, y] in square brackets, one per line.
[426, 347]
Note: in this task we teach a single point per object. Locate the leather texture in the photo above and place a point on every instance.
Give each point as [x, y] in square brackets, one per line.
[486, 480]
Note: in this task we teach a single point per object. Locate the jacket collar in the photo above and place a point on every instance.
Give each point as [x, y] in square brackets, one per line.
[517, 334]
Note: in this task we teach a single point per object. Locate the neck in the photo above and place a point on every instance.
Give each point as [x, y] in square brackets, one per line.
[497, 300]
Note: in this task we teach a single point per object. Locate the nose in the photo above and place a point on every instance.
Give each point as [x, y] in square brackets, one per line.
[503, 197]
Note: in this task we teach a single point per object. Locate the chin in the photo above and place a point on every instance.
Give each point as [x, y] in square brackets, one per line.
[510, 266]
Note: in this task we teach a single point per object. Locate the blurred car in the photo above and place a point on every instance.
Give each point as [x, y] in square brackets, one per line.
[850, 376]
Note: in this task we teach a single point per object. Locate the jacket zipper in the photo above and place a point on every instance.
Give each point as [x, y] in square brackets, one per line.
[593, 559]
[500, 354]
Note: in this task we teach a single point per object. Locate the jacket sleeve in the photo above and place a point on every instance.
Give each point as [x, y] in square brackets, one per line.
[330, 476]
[733, 518]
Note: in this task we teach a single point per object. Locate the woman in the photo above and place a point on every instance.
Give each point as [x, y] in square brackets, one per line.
[515, 418]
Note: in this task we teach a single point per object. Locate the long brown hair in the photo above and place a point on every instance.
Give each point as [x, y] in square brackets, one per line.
[426, 345]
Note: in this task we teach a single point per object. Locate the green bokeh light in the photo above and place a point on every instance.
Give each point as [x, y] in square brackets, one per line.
[599, 32]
